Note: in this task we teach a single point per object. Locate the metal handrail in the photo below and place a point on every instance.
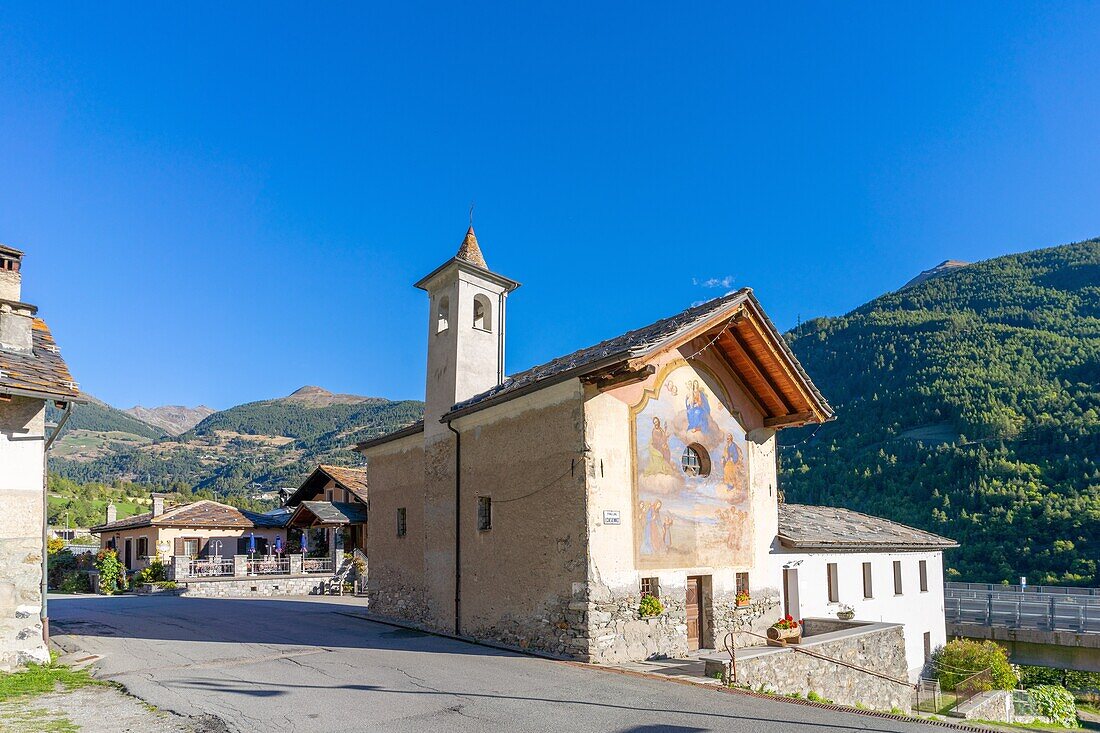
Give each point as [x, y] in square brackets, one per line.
[268, 565]
[317, 565]
[212, 567]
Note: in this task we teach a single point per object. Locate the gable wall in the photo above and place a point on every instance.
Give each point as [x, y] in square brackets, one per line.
[617, 566]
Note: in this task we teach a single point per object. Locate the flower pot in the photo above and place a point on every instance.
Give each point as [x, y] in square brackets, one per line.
[781, 637]
[742, 603]
[846, 615]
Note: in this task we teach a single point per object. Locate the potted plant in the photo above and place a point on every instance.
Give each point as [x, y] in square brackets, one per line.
[846, 613]
[742, 599]
[785, 631]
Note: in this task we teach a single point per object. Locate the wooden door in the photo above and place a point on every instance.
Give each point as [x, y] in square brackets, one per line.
[694, 611]
[127, 559]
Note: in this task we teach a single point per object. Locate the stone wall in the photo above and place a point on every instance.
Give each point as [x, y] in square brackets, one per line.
[253, 587]
[21, 439]
[876, 647]
[993, 705]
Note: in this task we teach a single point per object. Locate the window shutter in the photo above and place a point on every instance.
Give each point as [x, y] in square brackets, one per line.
[177, 548]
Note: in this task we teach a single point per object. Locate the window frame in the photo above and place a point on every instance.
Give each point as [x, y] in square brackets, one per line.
[899, 586]
[650, 586]
[741, 582]
[484, 513]
[833, 582]
[923, 565]
[482, 301]
[402, 521]
[868, 581]
[702, 457]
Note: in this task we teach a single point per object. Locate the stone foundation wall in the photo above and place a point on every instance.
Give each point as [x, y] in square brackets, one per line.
[994, 705]
[391, 594]
[616, 632]
[881, 648]
[253, 587]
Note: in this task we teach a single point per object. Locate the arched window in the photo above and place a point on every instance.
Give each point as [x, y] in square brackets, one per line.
[483, 313]
[443, 314]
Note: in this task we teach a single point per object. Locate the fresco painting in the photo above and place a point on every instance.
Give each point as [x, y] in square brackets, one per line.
[694, 516]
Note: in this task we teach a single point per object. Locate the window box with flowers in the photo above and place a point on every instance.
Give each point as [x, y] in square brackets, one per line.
[785, 631]
[742, 599]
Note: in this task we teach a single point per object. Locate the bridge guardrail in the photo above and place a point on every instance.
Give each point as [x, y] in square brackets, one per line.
[1047, 612]
[1054, 590]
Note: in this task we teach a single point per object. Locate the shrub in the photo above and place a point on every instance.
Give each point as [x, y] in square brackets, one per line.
[154, 572]
[1055, 702]
[818, 698]
[75, 583]
[166, 584]
[650, 606]
[112, 576]
[962, 658]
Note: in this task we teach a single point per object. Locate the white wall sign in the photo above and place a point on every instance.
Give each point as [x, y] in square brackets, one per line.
[611, 516]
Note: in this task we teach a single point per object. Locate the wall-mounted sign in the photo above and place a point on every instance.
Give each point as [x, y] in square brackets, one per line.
[611, 516]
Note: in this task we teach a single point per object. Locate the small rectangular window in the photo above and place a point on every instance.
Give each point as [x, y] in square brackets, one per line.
[484, 513]
[897, 577]
[923, 576]
[401, 527]
[868, 591]
[191, 548]
[143, 547]
[834, 589]
[650, 587]
[927, 645]
[742, 582]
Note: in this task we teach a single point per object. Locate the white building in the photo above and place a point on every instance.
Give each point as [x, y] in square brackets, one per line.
[32, 374]
[836, 559]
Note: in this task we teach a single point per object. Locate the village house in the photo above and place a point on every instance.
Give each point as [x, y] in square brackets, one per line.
[32, 374]
[537, 509]
[328, 512]
[204, 532]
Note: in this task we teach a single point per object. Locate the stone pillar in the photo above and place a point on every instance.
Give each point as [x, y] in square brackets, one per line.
[337, 558]
[295, 564]
[240, 565]
[180, 564]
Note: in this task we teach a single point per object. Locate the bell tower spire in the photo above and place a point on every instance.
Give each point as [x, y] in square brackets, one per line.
[465, 330]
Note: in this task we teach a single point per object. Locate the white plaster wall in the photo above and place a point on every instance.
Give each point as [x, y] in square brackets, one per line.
[22, 428]
[918, 611]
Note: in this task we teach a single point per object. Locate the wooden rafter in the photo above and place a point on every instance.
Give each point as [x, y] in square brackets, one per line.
[760, 371]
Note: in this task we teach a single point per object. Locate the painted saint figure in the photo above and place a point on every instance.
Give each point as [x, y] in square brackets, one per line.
[645, 514]
[698, 408]
[732, 464]
[660, 456]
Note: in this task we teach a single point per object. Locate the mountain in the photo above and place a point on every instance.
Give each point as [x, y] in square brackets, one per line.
[968, 404]
[95, 429]
[944, 267]
[242, 450]
[172, 419]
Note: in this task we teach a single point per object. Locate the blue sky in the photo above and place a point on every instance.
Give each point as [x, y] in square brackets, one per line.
[221, 204]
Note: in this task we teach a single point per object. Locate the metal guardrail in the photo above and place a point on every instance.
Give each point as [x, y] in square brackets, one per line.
[317, 565]
[1006, 608]
[1054, 590]
[271, 565]
[211, 568]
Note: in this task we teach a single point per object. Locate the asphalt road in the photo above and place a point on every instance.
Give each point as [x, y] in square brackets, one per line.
[306, 665]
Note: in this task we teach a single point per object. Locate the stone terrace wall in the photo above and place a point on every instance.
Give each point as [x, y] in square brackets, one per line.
[881, 647]
[253, 587]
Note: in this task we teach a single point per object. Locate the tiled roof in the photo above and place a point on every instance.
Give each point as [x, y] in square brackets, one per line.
[204, 513]
[40, 371]
[352, 479]
[470, 251]
[332, 512]
[807, 527]
[628, 345]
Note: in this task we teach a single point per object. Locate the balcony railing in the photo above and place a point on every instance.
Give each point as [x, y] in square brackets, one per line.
[317, 565]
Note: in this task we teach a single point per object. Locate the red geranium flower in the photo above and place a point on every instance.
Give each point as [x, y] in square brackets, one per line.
[790, 617]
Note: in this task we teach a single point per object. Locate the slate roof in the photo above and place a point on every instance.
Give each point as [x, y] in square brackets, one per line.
[352, 479]
[332, 512]
[41, 371]
[203, 513]
[806, 527]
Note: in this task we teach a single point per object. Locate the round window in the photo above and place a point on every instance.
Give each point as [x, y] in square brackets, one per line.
[695, 460]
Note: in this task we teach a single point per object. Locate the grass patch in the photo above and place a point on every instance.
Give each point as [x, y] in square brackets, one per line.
[38, 679]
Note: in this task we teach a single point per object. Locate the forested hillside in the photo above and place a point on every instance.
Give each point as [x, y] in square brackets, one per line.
[250, 448]
[968, 405]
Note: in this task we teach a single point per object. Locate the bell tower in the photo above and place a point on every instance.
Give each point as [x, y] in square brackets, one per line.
[465, 331]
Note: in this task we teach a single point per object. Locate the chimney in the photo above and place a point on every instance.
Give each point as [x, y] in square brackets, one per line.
[158, 504]
[16, 317]
[10, 278]
[112, 513]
